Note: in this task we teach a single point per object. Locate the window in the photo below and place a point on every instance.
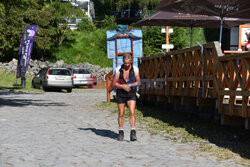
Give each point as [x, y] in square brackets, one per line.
[81, 71]
[59, 72]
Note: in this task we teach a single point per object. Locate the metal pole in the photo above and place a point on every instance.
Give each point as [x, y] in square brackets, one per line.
[203, 69]
[23, 60]
[221, 23]
[221, 27]
[23, 67]
[23, 79]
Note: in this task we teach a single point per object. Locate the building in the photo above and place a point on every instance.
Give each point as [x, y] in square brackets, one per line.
[87, 6]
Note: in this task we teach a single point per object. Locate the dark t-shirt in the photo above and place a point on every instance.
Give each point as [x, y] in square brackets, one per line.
[132, 79]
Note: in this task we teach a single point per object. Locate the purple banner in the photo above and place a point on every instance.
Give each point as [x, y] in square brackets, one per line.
[25, 50]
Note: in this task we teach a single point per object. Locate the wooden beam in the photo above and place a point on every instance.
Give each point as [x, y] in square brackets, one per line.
[122, 53]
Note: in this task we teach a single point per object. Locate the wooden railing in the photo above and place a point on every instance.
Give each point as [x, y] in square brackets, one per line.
[232, 80]
[185, 72]
[203, 74]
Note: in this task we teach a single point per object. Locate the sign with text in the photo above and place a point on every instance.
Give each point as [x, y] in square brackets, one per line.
[167, 46]
[25, 49]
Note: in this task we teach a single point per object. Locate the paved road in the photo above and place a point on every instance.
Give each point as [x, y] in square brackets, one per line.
[57, 129]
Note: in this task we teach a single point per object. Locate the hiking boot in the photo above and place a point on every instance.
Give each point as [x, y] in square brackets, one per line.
[133, 135]
[120, 136]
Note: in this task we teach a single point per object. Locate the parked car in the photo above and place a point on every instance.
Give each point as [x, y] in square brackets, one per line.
[94, 80]
[58, 78]
[82, 77]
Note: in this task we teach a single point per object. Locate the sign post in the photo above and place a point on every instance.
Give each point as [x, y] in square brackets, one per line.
[167, 31]
[23, 59]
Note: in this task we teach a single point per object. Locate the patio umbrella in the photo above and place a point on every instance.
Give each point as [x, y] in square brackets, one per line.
[163, 18]
[221, 8]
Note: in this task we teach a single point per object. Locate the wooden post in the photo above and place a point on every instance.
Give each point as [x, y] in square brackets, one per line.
[109, 84]
[107, 88]
[167, 37]
[240, 35]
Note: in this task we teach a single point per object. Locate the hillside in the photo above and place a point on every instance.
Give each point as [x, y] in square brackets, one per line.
[86, 46]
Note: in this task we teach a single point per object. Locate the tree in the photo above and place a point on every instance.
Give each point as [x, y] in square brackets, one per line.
[50, 17]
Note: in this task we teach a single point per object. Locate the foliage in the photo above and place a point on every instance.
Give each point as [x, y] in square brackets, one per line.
[55, 41]
[86, 46]
[152, 40]
[180, 38]
[104, 7]
[50, 17]
[109, 22]
[86, 24]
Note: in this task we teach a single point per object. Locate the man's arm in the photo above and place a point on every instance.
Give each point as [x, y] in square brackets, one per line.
[116, 83]
[138, 81]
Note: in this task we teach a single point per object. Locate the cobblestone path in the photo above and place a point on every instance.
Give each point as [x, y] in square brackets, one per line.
[57, 129]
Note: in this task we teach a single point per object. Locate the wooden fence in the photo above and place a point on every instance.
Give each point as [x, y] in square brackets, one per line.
[202, 76]
[232, 82]
[183, 73]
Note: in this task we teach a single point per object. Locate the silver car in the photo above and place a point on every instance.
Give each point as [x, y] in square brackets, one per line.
[82, 77]
[58, 78]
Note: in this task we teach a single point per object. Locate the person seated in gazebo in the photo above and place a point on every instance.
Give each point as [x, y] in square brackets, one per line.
[247, 45]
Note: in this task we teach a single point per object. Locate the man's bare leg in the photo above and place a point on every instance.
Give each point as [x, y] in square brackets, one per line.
[121, 108]
[131, 106]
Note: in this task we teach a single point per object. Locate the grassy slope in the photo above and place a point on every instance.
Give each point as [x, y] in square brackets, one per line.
[87, 47]
[9, 81]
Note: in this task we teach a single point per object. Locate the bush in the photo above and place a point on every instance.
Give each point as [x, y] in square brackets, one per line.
[86, 24]
[109, 22]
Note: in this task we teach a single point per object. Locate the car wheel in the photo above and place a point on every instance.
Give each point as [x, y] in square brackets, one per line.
[69, 90]
[42, 87]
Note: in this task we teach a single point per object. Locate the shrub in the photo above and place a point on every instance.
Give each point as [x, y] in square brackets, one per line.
[86, 24]
[109, 22]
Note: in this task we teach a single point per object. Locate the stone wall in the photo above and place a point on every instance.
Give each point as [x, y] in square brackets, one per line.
[35, 66]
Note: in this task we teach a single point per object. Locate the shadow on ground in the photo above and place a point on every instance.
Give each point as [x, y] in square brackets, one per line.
[237, 139]
[102, 132]
[17, 101]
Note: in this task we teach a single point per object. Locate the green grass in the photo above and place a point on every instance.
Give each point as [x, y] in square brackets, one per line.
[219, 141]
[87, 46]
[9, 81]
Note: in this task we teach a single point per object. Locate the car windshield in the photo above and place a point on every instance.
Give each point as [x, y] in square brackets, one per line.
[81, 71]
[59, 72]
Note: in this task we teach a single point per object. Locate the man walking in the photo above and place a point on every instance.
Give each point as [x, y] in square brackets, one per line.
[126, 80]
